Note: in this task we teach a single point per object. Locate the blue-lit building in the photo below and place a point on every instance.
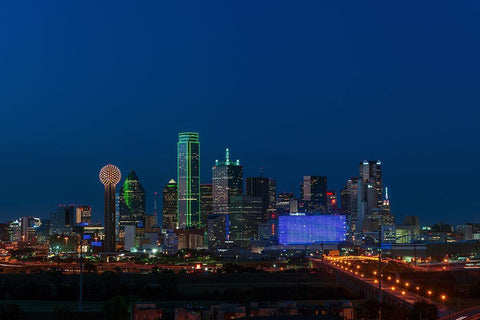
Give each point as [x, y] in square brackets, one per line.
[305, 229]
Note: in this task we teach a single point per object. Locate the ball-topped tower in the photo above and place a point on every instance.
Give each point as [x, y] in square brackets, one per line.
[110, 176]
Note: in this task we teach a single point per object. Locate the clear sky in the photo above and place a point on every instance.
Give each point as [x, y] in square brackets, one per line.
[296, 87]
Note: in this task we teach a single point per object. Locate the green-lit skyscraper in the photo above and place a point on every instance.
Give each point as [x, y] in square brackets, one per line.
[188, 166]
[132, 202]
[170, 205]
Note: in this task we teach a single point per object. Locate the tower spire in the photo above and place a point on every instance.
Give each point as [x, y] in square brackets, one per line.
[227, 156]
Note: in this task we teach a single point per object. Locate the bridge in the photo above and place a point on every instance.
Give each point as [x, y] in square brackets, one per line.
[391, 294]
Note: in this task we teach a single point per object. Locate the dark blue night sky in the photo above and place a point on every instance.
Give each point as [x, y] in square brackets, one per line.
[295, 87]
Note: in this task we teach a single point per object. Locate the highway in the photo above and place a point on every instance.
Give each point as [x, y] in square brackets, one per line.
[387, 288]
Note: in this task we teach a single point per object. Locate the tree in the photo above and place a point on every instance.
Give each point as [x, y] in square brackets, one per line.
[424, 310]
[118, 308]
[9, 311]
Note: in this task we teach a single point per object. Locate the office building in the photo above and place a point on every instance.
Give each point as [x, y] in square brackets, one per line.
[132, 202]
[110, 176]
[264, 188]
[170, 204]
[314, 193]
[245, 216]
[188, 180]
[217, 231]
[83, 214]
[63, 219]
[29, 226]
[206, 202]
[332, 206]
[371, 173]
[282, 205]
[227, 183]
[14, 231]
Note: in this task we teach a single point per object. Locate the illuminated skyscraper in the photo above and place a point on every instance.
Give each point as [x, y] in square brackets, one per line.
[265, 188]
[282, 205]
[188, 152]
[227, 183]
[170, 205]
[132, 202]
[245, 216]
[371, 173]
[110, 175]
[83, 214]
[206, 202]
[332, 206]
[314, 193]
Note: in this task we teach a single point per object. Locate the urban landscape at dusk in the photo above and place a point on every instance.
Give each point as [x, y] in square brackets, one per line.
[218, 161]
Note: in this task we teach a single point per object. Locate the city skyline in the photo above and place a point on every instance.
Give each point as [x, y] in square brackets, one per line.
[97, 216]
[293, 88]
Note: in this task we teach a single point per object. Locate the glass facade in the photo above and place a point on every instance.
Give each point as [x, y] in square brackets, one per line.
[170, 205]
[311, 229]
[188, 165]
[132, 202]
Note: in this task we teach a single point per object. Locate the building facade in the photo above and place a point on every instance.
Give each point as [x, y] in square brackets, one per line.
[264, 188]
[170, 204]
[206, 202]
[188, 179]
[132, 202]
[227, 183]
[314, 193]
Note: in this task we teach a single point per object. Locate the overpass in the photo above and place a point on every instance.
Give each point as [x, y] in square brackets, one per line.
[391, 295]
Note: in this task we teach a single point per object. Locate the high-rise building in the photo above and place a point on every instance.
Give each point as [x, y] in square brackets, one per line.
[217, 231]
[386, 203]
[132, 202]
[265, 188]
[110, 176]
[349, 201]
[63, 219]
[83, 214]
[206, 201]
[156, 213]
[314, 193]
[332, 206]
[188, 165]
[170, 204]
[282, 205]
[371, 173]
[29, 225]
[245, 216]
[14, 231]
[227, 183]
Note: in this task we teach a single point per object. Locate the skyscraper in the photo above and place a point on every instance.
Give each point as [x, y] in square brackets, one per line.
[227, 183]
[265, 188]
[206, 202]
[170, 204]
[63, 220]
[349, 197]
[109, 175]
[314, 193]
[332, 206]
[245, 216]
[83, 214]
[371, 173]
[132, 201]
[349, 201]
[188, 165]
[283, 203]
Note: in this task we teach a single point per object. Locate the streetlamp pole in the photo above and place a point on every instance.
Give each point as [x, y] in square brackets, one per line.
[380, 270]
[80, 285]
